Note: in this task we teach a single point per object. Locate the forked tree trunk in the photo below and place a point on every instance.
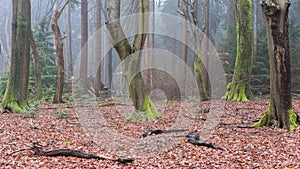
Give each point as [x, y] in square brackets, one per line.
[133, 76]
[59, 54]
[239, 88]
[280, 112]
[14, 99]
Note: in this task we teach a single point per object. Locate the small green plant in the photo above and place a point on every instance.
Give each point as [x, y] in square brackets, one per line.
[67, 143]
[62, 113]
[29, 112]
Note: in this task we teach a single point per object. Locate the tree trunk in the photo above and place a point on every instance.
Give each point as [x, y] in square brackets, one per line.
[37, 69]
[14, 99]
[98, 84]
[59, 54]
[280, 112]
[198, 62]
[184, 21]
[230, 18]
[69, 45]
[255, 30]
[205, 49]
[84, 45]
[133, 76]
[239, 88]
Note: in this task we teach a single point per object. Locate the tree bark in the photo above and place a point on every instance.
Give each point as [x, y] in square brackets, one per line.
[15, 96]
[280, 112]
[37, 69]
[59, 54]
[69, 45]
[84, 45]
[198, 62]
[205, 49]
[239, 88]
[255, 30]
[98, 84]
[184, 21]
[133, 76]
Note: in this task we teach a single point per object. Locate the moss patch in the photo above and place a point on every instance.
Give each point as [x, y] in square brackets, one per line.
[293, 119]
[264, 121]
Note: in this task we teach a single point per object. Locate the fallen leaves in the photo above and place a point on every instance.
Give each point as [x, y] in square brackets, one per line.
[263, 147]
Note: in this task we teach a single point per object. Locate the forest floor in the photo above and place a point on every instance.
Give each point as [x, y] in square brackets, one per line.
[243, 146]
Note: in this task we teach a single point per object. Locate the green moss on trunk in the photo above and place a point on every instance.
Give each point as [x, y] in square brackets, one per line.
[199, 77]
[236, 92]
[266, 120]
[239, 89]
[293, 119]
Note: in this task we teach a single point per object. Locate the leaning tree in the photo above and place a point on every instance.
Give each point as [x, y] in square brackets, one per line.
[280, 112]
[14, 99]
[131, 55]
[239, 88]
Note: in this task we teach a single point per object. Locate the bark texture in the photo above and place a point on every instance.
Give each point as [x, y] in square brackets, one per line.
[14, 99]
[239, 88]
[37, 69]
[131, 66]
[84, 45]
[198, 62]
[59, 54]
[280, 112]
[98, 84]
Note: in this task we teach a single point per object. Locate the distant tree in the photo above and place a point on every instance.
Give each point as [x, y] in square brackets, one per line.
[98, 84]
[84, 44]
[133, 76]
[280, 112]
[15, 96]
[59, 53]
[239, 88]
[37, 69]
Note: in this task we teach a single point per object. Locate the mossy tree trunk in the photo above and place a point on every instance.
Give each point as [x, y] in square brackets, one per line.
[14, 99]
[131, 64]
[280, 112]
[37, 69]
[198, 62]
[239, 88]
[59, 54]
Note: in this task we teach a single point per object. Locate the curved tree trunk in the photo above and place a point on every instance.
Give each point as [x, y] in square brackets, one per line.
[59, 54]
[14, 99]
[280, 112]
[239, 88]
[133, 76]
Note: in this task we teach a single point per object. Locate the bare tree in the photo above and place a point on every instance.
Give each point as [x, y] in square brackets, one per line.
[280, 112]
[59, 53]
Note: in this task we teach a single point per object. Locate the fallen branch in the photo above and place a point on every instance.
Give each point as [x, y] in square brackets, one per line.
[159, 131]
[74, 153]
[203, 143]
